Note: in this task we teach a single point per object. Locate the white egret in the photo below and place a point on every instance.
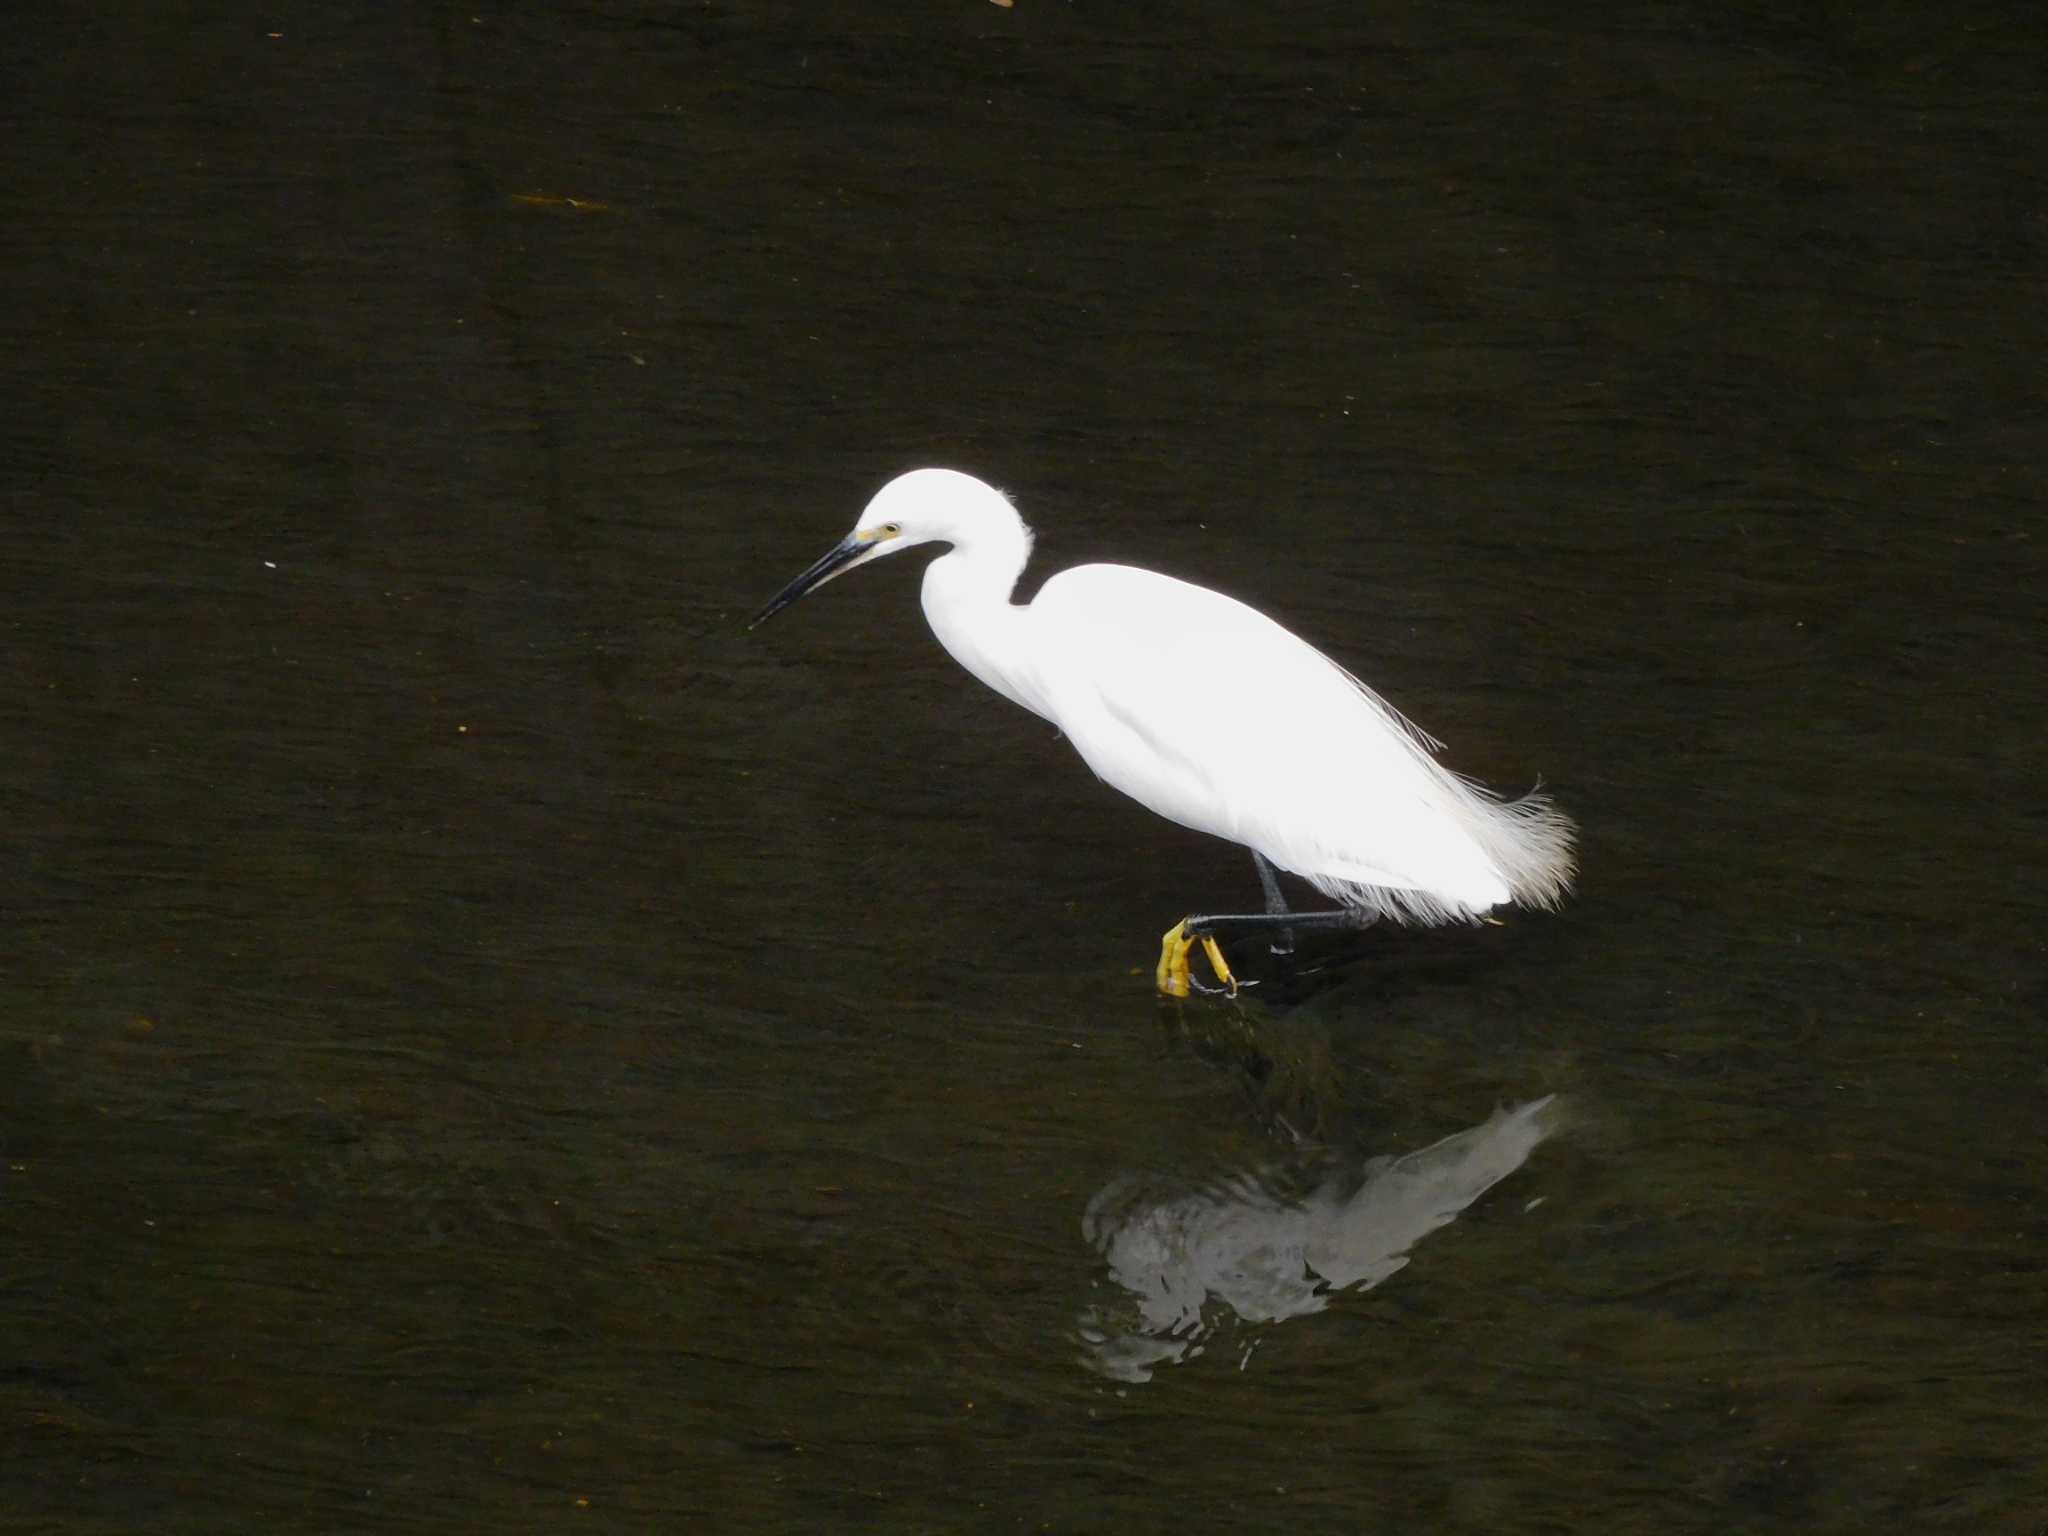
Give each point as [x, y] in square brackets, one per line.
[1215, 717]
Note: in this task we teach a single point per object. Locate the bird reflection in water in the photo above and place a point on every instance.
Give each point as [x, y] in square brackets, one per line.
[1272, 1244]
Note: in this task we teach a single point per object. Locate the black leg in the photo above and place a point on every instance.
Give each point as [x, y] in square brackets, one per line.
[1276, 903]
[1313, 922]
[1277, 916]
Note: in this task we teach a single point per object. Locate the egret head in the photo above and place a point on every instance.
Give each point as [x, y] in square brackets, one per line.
[925, 506]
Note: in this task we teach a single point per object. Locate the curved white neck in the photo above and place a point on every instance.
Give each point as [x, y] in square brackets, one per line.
[966, 597]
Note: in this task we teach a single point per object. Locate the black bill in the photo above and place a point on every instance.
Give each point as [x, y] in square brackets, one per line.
[843, 556]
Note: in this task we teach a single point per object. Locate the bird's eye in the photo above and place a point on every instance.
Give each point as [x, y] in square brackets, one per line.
[890, 530]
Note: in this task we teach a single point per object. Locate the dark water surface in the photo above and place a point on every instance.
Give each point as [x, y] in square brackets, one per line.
[485, 1043]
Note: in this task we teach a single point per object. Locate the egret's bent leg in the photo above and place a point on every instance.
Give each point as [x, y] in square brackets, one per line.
[1316, 922]
[1173, 976]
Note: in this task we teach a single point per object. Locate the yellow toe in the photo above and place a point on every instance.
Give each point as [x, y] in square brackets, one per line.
[1215, 953]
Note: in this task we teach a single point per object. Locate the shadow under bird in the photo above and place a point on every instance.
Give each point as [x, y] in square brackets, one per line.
[1146, 676]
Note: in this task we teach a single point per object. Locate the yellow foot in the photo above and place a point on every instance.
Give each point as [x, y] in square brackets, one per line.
[1173, 977]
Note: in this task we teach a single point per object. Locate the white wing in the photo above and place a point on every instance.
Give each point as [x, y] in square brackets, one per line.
[1214, 716]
